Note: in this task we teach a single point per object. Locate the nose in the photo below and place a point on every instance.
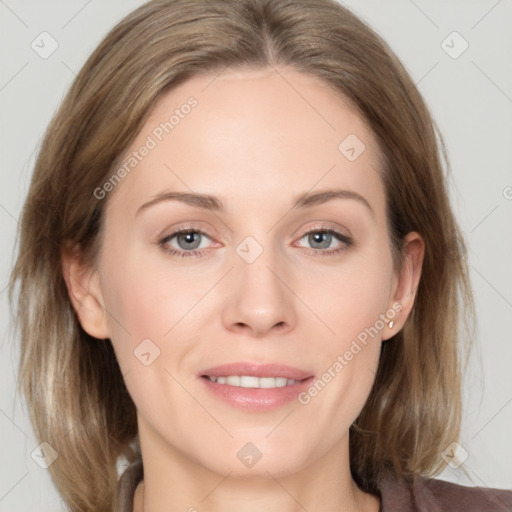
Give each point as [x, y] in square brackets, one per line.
[260, 298]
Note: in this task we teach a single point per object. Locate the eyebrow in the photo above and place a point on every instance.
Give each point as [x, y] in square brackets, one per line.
[305, 200]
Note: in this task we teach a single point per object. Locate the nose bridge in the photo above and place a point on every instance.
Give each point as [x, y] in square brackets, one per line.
[257, 267]
[256, 271]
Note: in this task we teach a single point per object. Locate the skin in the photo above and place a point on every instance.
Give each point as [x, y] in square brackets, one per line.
[257, 139]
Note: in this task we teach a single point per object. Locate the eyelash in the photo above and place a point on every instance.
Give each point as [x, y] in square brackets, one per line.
[315, 252]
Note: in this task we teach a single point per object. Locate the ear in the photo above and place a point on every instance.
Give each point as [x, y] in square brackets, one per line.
[406, 282]
[84, 291]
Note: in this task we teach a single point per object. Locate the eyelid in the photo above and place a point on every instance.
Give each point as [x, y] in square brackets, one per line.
[184, 228]
[319, 225]
[330, 231]
[326, 226]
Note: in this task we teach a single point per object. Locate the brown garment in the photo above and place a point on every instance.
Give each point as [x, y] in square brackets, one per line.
[421, 494]
[407, 494]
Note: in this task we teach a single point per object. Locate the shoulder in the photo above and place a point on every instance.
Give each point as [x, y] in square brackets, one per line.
[422, 494]
[127, 485]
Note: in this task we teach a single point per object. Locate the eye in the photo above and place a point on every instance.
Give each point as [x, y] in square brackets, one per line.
[188, 241]
[321, 239]
[191, 242]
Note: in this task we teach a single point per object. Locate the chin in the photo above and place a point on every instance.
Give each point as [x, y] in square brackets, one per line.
[254, 459]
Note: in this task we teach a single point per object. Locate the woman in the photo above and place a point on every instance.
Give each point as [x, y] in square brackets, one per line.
[302, 352]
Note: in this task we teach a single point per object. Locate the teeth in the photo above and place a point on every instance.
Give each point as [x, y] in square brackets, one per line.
[249, 381]
[233, 380]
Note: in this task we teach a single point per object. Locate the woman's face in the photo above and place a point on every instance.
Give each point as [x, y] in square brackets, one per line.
[287, 271]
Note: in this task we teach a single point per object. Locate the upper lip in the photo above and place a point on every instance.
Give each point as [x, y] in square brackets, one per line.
[257, 370]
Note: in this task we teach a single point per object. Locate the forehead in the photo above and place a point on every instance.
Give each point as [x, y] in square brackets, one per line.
[251, 136]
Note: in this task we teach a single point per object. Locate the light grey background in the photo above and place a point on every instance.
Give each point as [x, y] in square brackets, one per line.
[471, 99]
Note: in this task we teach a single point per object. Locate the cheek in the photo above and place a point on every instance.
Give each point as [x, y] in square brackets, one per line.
[150, 305]
[356, 304]
[142, 307]
[354, 297]
[144, 299]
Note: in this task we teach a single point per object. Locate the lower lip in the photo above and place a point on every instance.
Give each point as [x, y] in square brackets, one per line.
[256, 399]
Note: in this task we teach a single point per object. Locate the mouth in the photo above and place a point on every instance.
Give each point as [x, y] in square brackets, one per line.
[251, 381]
[255, 387]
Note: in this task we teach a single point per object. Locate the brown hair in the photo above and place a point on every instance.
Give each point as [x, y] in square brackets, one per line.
[75, 391]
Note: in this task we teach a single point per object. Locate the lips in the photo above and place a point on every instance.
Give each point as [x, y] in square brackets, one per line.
[255, 387]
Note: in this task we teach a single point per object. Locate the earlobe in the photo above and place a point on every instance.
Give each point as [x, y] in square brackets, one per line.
[407, 281]
[84, 291]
